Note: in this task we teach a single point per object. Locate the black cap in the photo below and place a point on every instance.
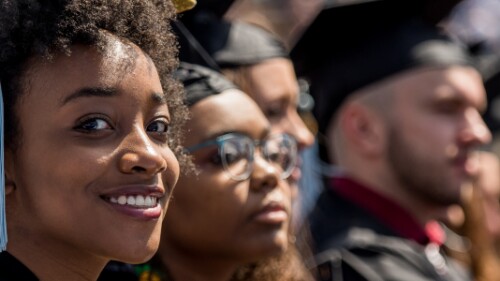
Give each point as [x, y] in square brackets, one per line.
[210, 41]
[201, 82]
[370, 41]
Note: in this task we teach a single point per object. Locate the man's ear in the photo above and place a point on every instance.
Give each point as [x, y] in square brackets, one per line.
[364, 128]
[10, 184]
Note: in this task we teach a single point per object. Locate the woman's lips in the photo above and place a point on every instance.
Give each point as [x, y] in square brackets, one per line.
[141, 202]
[139, 213]
[273, 213]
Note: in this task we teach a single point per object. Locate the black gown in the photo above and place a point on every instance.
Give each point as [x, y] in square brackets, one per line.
[352, 244]
[13, 270]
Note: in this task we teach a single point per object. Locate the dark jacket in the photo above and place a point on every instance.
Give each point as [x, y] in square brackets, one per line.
[13, 270]
[351, 244]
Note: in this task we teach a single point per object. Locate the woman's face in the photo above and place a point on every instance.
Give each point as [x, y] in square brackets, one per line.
[93, 173]
[273, 86]
[214, 216]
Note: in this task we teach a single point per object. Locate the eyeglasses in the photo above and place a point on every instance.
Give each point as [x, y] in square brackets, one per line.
[236, 153]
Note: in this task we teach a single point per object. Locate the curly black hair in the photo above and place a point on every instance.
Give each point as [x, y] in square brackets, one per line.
[40, 28]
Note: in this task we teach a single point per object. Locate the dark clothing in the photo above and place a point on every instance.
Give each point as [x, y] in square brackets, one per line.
[118, 271]
[361, 235]
[13, 270]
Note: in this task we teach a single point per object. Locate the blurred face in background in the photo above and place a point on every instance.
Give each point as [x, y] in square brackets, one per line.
[435, 127]
[273, 85]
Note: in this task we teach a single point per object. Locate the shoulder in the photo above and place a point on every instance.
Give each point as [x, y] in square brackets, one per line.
[334, 218]
[380, 258]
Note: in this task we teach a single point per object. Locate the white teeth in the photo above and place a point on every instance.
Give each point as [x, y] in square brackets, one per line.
[122, 200]
[139, 200]
[148, 201]
[136, 201]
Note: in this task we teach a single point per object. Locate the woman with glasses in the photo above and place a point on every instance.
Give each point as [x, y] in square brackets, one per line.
[234, 208]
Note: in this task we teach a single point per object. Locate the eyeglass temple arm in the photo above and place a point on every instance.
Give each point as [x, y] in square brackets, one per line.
[200, 145]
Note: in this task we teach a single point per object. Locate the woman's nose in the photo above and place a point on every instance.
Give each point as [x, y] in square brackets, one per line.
[264, 174]
[141, 155]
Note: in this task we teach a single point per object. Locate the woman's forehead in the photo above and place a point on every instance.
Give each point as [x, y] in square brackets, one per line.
[231, 111]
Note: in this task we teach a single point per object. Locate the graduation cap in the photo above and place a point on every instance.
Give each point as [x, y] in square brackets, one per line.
[201, 82]
[213, 42]
[370, 41]
[217, 7]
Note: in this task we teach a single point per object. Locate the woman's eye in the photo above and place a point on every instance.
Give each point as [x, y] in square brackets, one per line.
[94, 124]
[233, 157]
[159, 126]
[273, 113]
[216, 159]
[229, 158]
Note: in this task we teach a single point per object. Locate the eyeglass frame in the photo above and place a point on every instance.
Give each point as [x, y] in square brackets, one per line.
[219, 141]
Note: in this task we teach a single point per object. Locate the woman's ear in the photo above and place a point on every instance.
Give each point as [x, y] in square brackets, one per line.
[363, 128]
[10, 184]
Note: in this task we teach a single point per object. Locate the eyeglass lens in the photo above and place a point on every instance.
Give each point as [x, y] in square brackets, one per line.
[237, 155]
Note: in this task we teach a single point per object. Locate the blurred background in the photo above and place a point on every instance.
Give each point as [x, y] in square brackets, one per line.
[475, 23]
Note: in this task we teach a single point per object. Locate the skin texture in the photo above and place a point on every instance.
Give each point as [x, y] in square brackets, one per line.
[75, 150]
[415, 141]
[273, 86]
[223, 230]
[275, 90]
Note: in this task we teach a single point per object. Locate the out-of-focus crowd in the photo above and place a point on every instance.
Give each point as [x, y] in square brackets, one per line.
[266, 140]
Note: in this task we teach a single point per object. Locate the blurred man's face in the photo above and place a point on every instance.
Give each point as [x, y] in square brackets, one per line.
[435, 126]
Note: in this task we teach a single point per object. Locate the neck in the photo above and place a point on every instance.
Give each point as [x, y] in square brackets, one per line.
[382, 182]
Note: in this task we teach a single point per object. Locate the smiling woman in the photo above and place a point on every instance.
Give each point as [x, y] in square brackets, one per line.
[92, 115]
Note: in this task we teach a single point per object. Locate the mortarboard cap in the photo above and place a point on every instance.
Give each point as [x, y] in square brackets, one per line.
[216, 7]
[380, 41]
[201, 82]
[213, 42]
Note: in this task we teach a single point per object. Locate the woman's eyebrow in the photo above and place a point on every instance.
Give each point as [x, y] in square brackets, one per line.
[158, 98]
[91, 92]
